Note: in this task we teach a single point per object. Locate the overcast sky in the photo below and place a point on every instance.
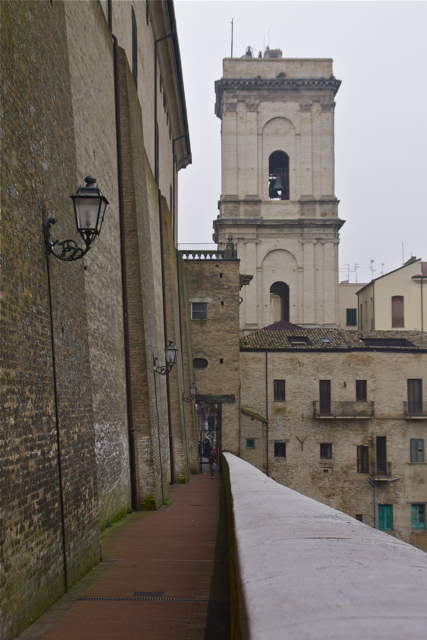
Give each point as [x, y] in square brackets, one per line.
[379, 52]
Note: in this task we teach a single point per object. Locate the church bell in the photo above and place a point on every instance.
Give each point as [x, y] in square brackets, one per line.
[278, 187]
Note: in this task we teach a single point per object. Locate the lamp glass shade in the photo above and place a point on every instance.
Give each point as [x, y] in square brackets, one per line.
[202, 404]
[193, 390]
[88, 213]
[171, 353]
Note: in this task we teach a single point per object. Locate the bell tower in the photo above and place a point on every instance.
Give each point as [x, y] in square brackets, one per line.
[278, 196]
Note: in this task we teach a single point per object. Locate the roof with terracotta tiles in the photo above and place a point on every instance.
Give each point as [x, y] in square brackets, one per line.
[332, 340]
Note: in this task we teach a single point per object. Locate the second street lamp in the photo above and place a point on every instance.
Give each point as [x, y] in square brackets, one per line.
[171, 352]
[193, 393]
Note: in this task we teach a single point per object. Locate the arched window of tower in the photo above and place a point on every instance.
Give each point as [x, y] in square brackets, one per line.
[278, 176]
[279, 302]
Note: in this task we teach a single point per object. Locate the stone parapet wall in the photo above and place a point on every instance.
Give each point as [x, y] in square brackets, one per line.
[300, 569]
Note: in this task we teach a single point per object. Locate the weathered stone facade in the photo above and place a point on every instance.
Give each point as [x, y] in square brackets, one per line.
[267, 356]
[287, 106]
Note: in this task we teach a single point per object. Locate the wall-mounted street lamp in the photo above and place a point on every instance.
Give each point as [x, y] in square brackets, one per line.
[193, 392]
[171, 352]
[201, 408]
[89, 210]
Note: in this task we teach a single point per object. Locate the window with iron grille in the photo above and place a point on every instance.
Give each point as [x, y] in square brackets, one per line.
[326, 450]
[200, 363]
[418, 517]
[362, 459]
[279, 390]
[280, 449]
[415, 403]
[199, 310]
[325, 396]
[250, 443]
[134, 49]
[385, 517]
[417, 450]
[351, 317]
[361, 391]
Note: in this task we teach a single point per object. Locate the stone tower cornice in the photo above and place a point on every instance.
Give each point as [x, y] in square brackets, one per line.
[268, 88]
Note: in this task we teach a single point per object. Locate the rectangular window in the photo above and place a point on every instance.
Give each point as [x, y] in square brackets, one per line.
[351, 317]
[279, 390]
[280, 449]
[417, 450]
[361, 391]
[397, 317]
[250, 443]
[326, 450]
[359, 516]
[418, 517]
[415, 404]
[325, 396]
[199, 310]
[362, 459]
[385, 517]
[134, 49]
[381, 456]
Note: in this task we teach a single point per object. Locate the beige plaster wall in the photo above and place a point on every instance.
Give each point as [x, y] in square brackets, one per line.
[395, 283]
[347, 299]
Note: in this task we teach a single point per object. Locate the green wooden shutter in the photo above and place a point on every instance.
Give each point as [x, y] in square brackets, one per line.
[420, 450]
[414, 516]
[388, 517]
[413, 450]
[381, 526]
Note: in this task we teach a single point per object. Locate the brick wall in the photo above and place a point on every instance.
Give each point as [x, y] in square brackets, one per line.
[217, 338]
[39, 165]
[95, 140]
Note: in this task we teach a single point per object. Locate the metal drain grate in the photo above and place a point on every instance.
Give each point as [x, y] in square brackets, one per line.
[151, 599]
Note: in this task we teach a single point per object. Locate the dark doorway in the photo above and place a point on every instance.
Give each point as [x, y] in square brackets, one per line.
[209, 420]
[278, 176]
[281, 289]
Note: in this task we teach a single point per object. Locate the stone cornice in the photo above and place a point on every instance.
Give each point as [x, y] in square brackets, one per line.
[291, 224]
[272, 84]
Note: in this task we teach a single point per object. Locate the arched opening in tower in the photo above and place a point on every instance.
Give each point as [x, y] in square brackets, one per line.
[279, 302]
[278, 176]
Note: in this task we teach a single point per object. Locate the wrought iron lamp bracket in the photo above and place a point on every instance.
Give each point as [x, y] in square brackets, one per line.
[189, 399]
[69, 250]
[164, 370]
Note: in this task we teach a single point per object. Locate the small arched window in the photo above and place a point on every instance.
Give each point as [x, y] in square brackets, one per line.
[397, 315]
[279, 299]
[278, 176]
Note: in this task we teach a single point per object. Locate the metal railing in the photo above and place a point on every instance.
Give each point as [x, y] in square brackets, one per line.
[201, 254]
[344, 409]
[415, 410]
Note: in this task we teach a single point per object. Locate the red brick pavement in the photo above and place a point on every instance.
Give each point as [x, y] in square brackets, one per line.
[170, 551]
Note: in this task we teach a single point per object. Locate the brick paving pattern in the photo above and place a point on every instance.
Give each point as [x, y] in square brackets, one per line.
[170, 551]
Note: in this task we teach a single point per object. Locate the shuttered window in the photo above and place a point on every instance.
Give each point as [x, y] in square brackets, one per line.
[250, 443]
[279, 390]
[362, 459]
[418, 517]
[325, 396]
[381, 456]
[397, 317]
[385, 517]
[361, 391]
[280, 449]
[417, 450]
[351, 317]
[415, 403]
[326, 450]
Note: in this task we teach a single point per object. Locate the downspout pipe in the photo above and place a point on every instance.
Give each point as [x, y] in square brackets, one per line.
[125, 303]
[266, 401]
[374, 484]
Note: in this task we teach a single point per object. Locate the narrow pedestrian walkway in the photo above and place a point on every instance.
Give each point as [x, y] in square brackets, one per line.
[167, 575]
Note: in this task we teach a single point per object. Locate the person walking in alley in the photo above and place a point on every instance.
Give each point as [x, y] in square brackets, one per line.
[212, 460]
